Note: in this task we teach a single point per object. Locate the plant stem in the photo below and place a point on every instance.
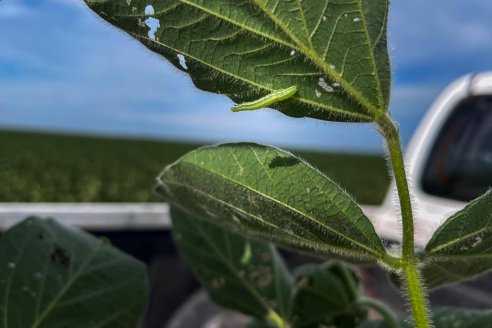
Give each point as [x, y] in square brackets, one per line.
[392, 137]
[276, 320]
[380, 308]
[417, 296]
[409, 264]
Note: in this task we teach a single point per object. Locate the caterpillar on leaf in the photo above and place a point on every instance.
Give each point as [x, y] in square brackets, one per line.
[266, 101]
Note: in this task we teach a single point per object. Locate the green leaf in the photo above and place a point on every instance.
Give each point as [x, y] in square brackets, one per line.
[271, 194]
[446, 318]
[56, 276]
[462, 318]
[462, 247]
[241, 274]
[335, 52]
[325, 295]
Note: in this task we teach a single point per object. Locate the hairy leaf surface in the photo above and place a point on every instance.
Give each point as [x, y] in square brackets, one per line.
[325, 295]
[335, 52]
[462, 247]
[269, 193]
[241, 274]
[56, 276]
[446, 318]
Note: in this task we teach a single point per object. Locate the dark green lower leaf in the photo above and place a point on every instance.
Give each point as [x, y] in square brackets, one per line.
[56, 276]
[325, 295]
[447, 318]
[241, 274]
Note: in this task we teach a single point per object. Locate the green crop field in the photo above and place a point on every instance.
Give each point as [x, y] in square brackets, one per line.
[41, 167]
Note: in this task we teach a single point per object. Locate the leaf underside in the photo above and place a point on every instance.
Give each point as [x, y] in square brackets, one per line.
[55, 276]
[273, 195]
[334, 51]
[461, 248]
[238, 273]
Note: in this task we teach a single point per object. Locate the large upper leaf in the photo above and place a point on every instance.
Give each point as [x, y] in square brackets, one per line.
[55, 276]
[241, 274]
[271, 194]
[446, 318]
[335, 52]
[462, 247]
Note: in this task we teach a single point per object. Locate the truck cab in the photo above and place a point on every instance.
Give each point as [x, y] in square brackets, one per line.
[449, 159]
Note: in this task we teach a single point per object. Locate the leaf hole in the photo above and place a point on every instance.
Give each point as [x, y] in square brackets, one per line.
[182, 61]
[60, 255]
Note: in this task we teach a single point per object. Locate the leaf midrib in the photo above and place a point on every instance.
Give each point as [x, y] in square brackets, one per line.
[459, 239]
[375, 252]
[310, 245]
[309, 52]
[318, 61]
[65, 288]
[259, 33]
[233, 270]
[458, 257]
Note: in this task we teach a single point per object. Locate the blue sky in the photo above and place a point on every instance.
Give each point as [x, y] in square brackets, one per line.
[62, 68]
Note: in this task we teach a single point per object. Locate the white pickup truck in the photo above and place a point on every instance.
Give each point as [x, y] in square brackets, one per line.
[449, 159]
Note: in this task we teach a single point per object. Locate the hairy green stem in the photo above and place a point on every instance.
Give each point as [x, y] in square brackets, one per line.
[390, 132]
[409, 264]
[380, 308]
[416, 295]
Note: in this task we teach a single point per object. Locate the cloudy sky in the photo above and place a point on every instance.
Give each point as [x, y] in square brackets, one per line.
[62, 68]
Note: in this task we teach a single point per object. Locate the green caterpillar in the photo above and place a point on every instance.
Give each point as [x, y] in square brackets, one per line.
[266, 101]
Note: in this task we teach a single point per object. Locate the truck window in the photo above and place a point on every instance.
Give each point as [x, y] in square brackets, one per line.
[459, 166]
